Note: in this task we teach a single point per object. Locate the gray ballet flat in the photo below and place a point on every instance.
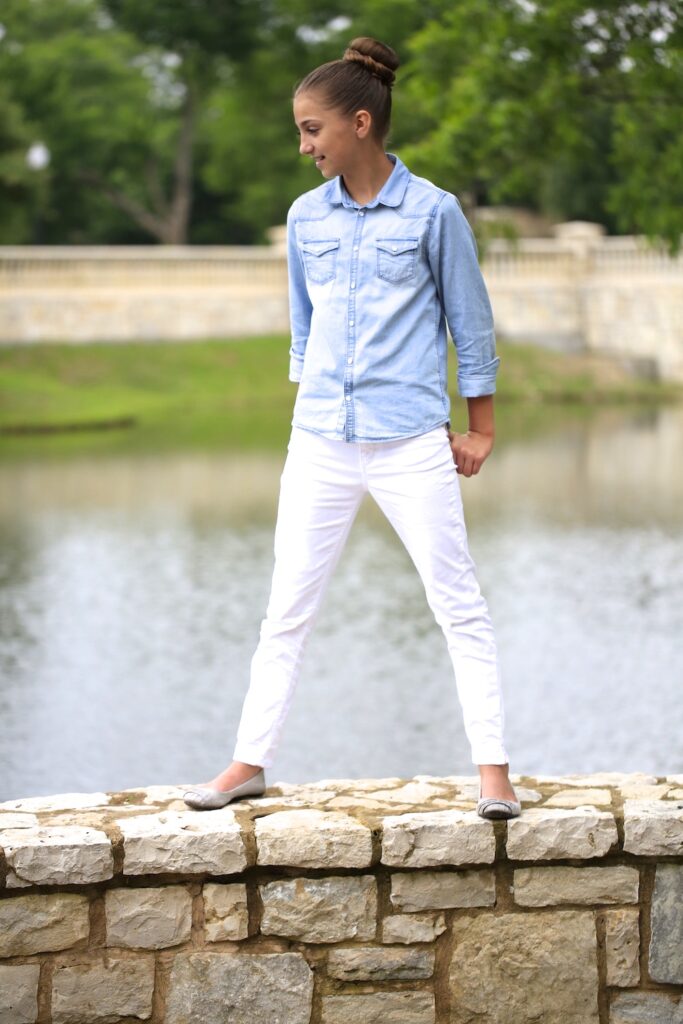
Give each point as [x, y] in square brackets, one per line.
[202, 798]
[496, 808]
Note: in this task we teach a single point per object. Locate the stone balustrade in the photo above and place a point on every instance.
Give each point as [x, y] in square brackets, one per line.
[617, 296]
[346, 900]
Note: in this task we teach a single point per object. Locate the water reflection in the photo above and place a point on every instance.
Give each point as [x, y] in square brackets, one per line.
[131, 592]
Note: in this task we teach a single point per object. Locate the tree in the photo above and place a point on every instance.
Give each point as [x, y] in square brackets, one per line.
[541, 104]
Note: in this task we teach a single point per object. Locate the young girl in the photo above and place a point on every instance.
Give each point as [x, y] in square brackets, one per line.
[379, 261]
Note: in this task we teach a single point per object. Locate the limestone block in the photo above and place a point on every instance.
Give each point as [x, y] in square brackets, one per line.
[408, 928]
[16, 819]
[226, 915]
[666, 942]
[580, 798]
[523, 968]
[372, 964]
[543, 887]
[645, 1008]
[600, 779]
[19, 994]
[57, 802]
[183, 842]
[148, 918]
[313, 839]
[439, 890]
[320, 909]
[653, 828]
[41, 924]
[104, 991]
[211, 988]
[417, 793]
[622, 942]
[68, 855]
[380, 1008]
[547, 833]
[437, 837]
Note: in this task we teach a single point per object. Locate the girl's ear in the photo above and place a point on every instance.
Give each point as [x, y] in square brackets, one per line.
[362, 123]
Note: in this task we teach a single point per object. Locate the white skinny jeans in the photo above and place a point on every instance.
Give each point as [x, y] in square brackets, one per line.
[415, 483]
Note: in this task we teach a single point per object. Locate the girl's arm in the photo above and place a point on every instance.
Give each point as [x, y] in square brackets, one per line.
[300, 308]
[460, 284]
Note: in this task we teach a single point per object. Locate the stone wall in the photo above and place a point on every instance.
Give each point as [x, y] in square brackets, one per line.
[346, 901]
[616, 296]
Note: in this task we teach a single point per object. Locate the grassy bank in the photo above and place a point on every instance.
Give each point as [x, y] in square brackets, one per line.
[237, 392]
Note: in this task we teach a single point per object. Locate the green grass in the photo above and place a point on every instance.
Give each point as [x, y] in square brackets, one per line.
[236, 393]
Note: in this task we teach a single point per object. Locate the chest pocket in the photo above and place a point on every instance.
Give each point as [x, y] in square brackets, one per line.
[320, 259]
[396, 258]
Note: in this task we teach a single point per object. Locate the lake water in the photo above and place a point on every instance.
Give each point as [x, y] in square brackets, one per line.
[132, 589]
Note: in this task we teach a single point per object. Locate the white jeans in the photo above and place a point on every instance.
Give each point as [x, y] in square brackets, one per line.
[415, 483]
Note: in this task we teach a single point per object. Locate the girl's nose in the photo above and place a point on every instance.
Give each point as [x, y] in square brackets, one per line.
[305, 147]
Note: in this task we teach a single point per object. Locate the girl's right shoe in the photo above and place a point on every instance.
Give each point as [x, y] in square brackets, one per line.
[495, 808]
[201, 798]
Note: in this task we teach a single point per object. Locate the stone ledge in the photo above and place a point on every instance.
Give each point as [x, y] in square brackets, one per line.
[427, 821]
[344, 900]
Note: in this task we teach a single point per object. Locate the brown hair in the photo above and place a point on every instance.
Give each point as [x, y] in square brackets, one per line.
[361, 80]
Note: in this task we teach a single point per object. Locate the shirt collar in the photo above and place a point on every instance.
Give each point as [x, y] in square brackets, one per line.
[391, 193]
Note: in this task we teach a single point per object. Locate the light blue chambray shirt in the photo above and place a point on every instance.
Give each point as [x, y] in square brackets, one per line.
[370, 291]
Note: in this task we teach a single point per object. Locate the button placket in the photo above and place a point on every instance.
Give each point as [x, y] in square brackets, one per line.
[351, 336]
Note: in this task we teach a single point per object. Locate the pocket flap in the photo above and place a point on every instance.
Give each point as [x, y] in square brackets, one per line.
[319, 248]
[396, 246]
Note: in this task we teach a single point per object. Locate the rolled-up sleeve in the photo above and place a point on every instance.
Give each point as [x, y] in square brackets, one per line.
[300, 308]
[453, 256]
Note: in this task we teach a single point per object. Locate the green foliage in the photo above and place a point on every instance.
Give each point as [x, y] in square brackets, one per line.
[157, 112]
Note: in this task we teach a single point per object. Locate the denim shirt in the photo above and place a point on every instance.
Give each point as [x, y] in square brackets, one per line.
[371, 290]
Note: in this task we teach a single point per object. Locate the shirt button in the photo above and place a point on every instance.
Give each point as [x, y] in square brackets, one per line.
[355, 248]
[393, 248]
[362, 213]
[353, 284]
[348, 398]
[350, 359]
[351, 323]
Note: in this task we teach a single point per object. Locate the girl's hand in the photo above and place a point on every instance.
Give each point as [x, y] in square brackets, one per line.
[470, 450]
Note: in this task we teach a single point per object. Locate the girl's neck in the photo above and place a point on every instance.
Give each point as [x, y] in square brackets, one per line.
[365, 179]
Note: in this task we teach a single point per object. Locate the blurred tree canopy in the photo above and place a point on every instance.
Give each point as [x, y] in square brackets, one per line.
[127, 122]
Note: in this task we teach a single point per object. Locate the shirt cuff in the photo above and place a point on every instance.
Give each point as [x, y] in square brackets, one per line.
[296, 368]
[483, 382]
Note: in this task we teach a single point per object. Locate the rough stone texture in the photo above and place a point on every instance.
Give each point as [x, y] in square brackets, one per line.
[184, 842]
[439, 890]
[645, 1008]
[57, 802]
[19, 994]
[437, 837]
[622, 942]
[380, 1008]
[320, 909]
[543, 887]
[413, 927]
[666, 942]
[313, 839]
[580, 798]
[653, 828]
[372, 964]
[104, 992]
[211, 988]
[16, 819]
[599, 779]
[148, 918]
[523, 968]
[40, 924]
[226, 914]
[69, 855]
[548, 833]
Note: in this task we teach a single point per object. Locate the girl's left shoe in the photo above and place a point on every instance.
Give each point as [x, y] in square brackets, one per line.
[496, 808]
[201, 798]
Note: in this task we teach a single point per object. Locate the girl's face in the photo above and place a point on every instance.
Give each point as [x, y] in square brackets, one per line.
[331, 139]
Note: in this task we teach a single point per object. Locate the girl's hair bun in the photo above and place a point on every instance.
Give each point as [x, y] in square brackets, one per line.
[378, 58]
